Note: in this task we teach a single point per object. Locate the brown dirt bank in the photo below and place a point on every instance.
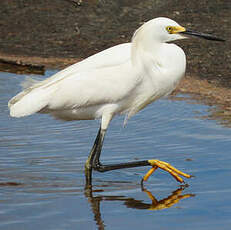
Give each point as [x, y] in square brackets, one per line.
[60, 32]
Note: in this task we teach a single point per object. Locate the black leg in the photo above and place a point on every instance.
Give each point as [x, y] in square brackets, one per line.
[89, 162]
[104, 168]
[93, 162]
[96, 160]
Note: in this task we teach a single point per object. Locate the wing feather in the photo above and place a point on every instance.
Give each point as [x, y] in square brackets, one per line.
[72, 86]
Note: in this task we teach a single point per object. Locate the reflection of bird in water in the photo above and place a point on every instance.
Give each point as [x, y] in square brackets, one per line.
[120, 80]
[168, 202]
[155, 204]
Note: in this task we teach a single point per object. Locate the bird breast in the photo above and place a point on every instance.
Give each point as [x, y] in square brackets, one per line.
[161, 72]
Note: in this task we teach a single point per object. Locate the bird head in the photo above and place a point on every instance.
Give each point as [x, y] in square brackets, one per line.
[166, 30]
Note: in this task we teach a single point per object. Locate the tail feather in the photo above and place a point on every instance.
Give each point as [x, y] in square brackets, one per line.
[29, 82]
[31, 100]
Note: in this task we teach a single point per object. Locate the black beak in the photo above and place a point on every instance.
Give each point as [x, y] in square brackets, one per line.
[202, 35]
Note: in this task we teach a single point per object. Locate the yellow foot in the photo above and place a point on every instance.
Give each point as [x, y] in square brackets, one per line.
[166, 167]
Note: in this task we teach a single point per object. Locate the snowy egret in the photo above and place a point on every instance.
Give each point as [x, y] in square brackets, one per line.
[119, 80]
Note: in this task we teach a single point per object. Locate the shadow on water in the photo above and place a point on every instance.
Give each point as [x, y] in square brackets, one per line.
[153, 204]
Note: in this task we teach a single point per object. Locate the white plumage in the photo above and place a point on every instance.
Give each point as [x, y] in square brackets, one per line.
[122, 79]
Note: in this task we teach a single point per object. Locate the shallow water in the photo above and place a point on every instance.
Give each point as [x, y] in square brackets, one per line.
[42, 170]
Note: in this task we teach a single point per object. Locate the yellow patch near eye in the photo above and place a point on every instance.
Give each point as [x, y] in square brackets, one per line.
[175, 29]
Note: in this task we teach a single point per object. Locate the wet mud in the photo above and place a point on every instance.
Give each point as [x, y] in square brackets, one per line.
[58, 33]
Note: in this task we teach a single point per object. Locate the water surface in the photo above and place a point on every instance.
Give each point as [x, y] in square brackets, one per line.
[42, 169]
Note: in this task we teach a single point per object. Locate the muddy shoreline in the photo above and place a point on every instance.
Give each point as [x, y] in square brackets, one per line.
[55, 34]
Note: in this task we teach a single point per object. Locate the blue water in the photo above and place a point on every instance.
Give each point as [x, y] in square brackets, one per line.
[42, 169]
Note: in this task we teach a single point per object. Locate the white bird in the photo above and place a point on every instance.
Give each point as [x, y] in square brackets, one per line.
[119, 80]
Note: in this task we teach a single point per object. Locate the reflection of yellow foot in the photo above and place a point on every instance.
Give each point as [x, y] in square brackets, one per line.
[168, 202]
[166, 167]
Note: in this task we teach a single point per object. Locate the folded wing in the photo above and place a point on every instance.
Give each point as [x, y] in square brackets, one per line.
[76, 85]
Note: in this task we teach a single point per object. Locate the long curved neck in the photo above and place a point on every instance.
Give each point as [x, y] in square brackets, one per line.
[145, 47]
[146, 54]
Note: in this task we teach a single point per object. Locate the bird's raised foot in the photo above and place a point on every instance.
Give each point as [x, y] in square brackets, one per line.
[166, 167]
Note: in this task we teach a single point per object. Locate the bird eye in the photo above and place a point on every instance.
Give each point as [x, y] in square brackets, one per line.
[169, 29]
